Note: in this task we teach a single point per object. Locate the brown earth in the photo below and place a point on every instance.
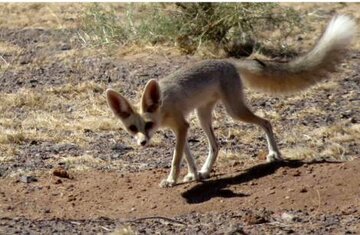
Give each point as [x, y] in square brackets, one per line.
[316, 187]
[103, 182]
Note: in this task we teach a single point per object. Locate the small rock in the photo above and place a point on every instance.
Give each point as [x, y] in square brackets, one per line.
[353, 120]
[65, 47]
[271, 192]
[120, 147]
[287, 217]
[28, 179]
[254, 219]
[71, 198]
[87, 131]
[61, 172]
[58, 181]
[237, 229]
[34, 142]
[192, 140]
[303, 190]
[25, 60]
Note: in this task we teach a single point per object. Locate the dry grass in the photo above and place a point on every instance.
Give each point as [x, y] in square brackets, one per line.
[127, 230]
[82, 163]
[326, 142]
[52, 114]
[8, 48]
[57, 115]
[40, 15]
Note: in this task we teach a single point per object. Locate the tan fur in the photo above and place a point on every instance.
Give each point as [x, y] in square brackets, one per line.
[166, 104]
[305, 71]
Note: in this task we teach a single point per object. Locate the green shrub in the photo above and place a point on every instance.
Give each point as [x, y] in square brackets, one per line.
[237, 29]
[100, 26]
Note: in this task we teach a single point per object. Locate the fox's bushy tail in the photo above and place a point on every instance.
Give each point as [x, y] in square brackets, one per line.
[304, 71]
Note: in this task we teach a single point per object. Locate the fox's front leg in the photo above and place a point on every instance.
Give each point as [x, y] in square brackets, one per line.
[180, 132]
[192, 172]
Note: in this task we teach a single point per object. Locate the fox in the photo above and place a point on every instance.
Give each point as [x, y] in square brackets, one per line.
[198, 87]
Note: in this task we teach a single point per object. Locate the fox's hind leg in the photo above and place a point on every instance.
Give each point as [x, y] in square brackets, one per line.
[234, 104]
[204, 114]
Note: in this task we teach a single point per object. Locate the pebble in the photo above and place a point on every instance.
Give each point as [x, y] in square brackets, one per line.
[58, 181]
[297, 173]
[303, 190]
[287, 217]
[28, 179]
[60, 172]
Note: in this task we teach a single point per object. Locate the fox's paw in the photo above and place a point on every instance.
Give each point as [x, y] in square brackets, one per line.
[167, 183]
[274, 157]
[191, 177]
[204, 174]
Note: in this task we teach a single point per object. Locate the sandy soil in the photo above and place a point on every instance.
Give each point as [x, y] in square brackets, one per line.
[280, 196]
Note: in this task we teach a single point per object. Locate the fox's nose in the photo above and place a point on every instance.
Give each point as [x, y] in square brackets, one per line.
[141, 139]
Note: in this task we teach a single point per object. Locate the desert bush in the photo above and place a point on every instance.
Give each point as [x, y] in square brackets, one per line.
[236, 29]
[101, 26]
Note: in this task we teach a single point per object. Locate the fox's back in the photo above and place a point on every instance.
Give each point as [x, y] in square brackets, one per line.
[189, 86]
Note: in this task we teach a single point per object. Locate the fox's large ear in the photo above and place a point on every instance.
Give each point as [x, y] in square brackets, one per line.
[151, 98]
[118, 104]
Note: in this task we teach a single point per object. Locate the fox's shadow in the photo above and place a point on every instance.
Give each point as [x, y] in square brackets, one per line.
[217, 187]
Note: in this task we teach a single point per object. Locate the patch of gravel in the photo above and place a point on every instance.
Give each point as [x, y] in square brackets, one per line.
[259, 221]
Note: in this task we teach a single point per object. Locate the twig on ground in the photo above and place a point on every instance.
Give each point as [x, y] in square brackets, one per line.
[2, 58]
[156, 218]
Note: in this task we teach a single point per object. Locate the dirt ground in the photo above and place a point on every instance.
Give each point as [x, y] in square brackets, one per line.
[66, 167]
[293, 196]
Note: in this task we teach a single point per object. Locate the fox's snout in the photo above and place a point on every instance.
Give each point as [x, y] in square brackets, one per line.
[141, 139]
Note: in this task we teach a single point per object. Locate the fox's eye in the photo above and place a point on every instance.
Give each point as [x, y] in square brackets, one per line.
[133, 128]
[148, 125]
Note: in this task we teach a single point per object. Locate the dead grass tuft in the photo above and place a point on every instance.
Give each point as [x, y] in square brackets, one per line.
[327, 142]
[126, 230]
[40, 15]
[83, 163]
[58, 115]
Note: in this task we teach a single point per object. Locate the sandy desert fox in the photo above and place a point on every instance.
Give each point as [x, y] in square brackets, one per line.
[166, 103]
